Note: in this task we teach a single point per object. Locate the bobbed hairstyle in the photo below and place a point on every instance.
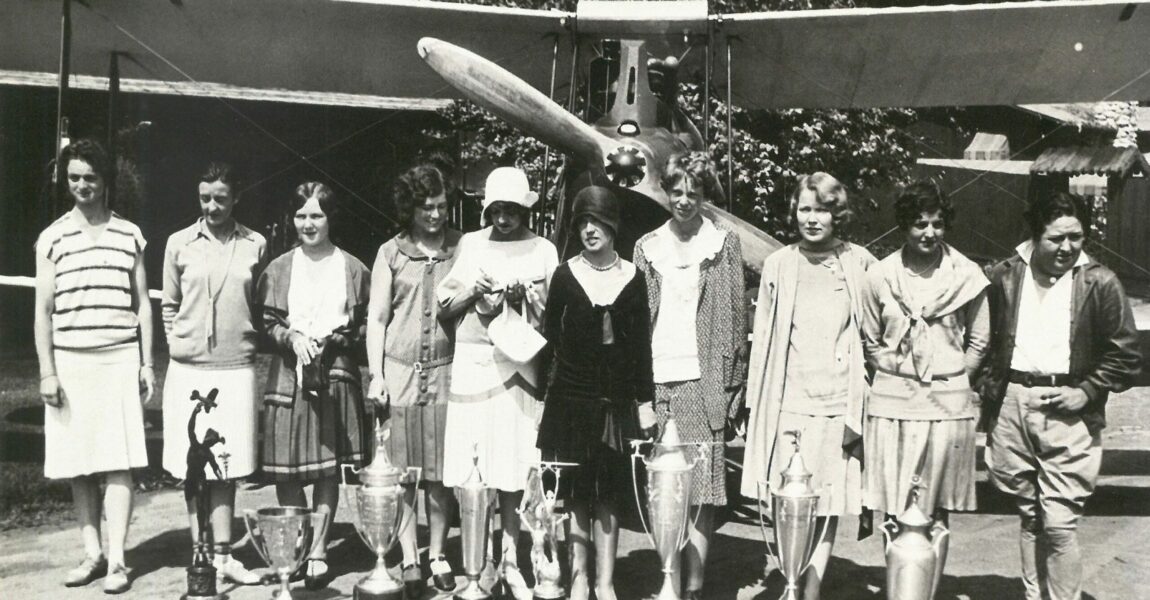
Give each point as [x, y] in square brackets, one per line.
[224, 173]
[1047, 208]
[523, 211]
[919, 197]
[93, 153]
[320, 191]
[829, 192]
[415, 186]
[696, 166]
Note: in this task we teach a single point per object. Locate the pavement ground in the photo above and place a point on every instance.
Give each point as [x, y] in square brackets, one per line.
[1115, 537]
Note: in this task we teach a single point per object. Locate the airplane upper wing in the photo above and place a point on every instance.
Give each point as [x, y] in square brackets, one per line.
[348, 52]
[1001, 54]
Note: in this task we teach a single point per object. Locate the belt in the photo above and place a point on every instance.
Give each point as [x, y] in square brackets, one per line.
[421, 366]
[935, 377]
[1036, 380]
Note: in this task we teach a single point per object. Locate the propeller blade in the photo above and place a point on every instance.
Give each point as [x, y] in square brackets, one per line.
[513, 100]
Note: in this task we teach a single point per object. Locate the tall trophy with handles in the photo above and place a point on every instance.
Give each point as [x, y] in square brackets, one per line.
[538, 514]
[793, 515]
[377, 507]
[475, 503]
[284, 536]
[669, 467]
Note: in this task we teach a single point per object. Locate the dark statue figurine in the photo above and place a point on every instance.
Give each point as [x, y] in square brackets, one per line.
[201, 575]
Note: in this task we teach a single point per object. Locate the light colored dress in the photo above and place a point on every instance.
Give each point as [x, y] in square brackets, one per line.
[417, 354]
[207, 305]
[923, 336]
[695, 385]
[494, 400]
[807, 373]
[100, 426]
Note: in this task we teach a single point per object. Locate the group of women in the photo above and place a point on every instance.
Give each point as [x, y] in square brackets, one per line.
[629, 346]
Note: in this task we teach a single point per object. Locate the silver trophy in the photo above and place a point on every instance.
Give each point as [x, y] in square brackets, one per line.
[377, 507]
[669, 469]
[285, 536]
[538, 515]
[915, 551]
[793, 518]
[475, 502]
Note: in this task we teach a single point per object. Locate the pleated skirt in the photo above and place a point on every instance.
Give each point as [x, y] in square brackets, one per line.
[941, 452]
[836, 477]
[417, 438]
[500, 430]
[684, 400]
[313, 437]
[234, 418]
[100, 426]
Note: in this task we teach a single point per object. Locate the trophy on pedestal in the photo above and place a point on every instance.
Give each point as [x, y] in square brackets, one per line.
[475, 502]
[538, 515]
[284, 536]
[915, 551]
[377, 507]
[668, 497]
[202, 574]
[793, 515]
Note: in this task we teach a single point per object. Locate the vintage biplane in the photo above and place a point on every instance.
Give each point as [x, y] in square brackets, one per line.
[615, 62]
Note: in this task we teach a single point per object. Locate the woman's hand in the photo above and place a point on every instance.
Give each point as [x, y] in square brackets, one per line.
[648, 422]
[377, 392]
[51, 392]
[483, 285]
[305, 347]
[147, 384]
[515, 292]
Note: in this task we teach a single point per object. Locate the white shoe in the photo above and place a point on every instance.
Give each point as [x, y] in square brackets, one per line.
[231, 570]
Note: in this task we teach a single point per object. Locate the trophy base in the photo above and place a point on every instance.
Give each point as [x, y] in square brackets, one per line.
[361, 594]
[202, 584]
[472, 591]
[561, 596]
[549, 591]
[216, 597]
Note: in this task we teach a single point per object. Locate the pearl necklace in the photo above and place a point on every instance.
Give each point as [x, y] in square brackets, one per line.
[937, 260]
[596, 267]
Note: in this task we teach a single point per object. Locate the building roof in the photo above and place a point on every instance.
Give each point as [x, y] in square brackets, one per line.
[1077, 160]
[988, 146]
[1081, 114]
[1007, 167]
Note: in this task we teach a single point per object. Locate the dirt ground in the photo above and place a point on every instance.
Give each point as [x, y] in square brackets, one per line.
[983, 558]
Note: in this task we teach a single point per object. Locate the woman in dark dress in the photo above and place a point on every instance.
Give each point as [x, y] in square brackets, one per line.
[600, 392]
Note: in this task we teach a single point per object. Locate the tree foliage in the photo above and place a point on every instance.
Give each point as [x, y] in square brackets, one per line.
[866, 149]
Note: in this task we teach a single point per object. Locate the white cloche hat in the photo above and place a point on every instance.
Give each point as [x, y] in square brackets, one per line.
[508, 184]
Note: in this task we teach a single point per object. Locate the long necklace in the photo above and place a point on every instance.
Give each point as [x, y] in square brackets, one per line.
[596, 267]
[937, 260]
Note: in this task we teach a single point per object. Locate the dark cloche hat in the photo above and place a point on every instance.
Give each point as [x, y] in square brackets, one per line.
[600, 203]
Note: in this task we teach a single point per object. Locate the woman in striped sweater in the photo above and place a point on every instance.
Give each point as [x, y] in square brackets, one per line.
[93, 325]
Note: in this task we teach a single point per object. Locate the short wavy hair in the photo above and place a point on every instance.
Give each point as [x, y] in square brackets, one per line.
[224, 173]
[919, 197]
[415, 186]
[829, 192]
[699, 168]
[1047, 208]
[92, 152]
[321, 192]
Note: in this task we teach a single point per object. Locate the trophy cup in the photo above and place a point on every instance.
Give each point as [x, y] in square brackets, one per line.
[793, 517]
[475, 502]
[202, 574]
[915, 551]
[284, 536]
[377, 507]
[668, 496]
[538, 515]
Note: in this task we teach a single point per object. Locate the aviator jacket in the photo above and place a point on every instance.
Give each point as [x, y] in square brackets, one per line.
[1104, 353]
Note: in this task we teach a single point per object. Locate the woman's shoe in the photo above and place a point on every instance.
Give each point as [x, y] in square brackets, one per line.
[231, 570]
[116, 581]
[318, 575]
[693, 595]
[513, 583]
[413, 582]
[441, 574]
[88, 571]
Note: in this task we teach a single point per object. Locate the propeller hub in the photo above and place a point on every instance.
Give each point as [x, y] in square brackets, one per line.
[626, 166]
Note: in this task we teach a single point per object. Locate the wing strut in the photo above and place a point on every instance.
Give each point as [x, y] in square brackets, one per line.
[61, 94]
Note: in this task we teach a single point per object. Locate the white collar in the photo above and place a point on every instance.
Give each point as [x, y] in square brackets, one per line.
[706, 244]
[1026, 249]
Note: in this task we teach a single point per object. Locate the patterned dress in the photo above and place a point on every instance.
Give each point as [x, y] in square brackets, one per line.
[702, 405]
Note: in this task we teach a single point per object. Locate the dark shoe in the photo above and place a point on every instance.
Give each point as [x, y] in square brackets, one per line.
[317, 575]
[88, 571]
[116, 581]
[693, 595]
[441, 574]
[413, 582]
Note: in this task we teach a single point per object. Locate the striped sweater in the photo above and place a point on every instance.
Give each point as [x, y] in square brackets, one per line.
[94, 307]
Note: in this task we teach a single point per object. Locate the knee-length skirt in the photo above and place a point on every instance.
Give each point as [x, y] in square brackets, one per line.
[683, 400]
[836, 477]
[499, 428]
[941, 452]
[100, 426]
[316, 434]
[418, 433]
[234, 417]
